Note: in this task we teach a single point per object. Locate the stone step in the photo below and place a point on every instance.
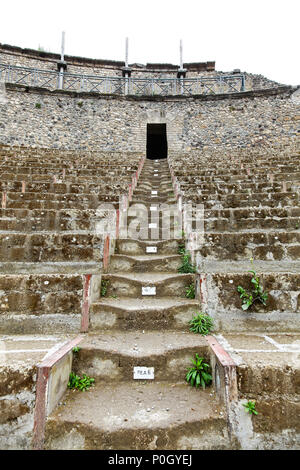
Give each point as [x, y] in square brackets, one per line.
[145, 263]
[231, 188]
[216, 201]
[270, 245]
[147, 193]
[58, 202]
[276, 176]
[148, 233]
[131, 284]
[124, 313]
[153, 198]
[139, 247]
[262, 171]
[138, 208]
[221, 300]
[40, 303]
[51, 267]
[66, 187]
[253, 224]
[138, 416]
[112, 356]
[46, 247]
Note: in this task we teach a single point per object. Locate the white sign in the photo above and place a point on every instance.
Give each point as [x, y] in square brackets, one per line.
[151, 249]
[147, 290]
[143, 373]
[152, 225]
[153, 192]
[153, 208]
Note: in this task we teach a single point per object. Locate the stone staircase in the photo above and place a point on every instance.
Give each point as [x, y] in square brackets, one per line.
[141, 321]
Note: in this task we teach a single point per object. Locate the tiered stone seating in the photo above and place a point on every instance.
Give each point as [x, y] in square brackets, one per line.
[251, 220]
[48, 231]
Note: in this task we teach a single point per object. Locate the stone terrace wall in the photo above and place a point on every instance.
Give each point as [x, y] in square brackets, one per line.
[68, 120]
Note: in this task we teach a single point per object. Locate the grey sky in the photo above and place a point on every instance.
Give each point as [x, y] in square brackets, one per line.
[255, 36]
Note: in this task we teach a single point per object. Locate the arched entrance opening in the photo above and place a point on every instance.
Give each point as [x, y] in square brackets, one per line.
[157, 144]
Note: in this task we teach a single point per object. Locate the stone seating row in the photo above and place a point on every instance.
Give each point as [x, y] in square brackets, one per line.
[250, 221]
[27, 220]
[56, 201]
[106, 185]
[76, 246]
[50, 240]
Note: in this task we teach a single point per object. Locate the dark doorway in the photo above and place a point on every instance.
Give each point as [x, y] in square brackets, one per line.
[157, 145]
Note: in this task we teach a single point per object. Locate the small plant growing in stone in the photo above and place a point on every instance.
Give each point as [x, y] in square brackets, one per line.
[186, 266]
[250, 407]
[181, 248]
[80, 104]
[201, 324]
[257, 293]
[80, 383]
[190, 291]
[76, 349]
[38, 105]
[103, 289]
[199, 374]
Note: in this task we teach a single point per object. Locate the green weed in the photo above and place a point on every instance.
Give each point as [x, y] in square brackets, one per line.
[82, 384]
[257, 293]
[186, 266]
[199, 374]
[103, 288]
[190, 291]
[201, 324]
[250, 407]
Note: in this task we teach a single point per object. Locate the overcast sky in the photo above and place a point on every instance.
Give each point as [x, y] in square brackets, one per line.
[257, 36]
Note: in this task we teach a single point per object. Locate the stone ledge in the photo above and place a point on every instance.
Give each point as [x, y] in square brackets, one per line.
[285, 89]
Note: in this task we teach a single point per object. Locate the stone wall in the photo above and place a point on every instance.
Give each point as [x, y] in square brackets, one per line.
[68, 120]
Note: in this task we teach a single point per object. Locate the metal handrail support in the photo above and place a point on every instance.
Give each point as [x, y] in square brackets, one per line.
[123, 85]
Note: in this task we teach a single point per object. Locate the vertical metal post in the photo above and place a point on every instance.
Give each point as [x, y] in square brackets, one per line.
[62, 57]
[126, 66]
[181, 67]
[126, 52]
[243, 83]
[180, 52]
[181, 71]
[61, 68]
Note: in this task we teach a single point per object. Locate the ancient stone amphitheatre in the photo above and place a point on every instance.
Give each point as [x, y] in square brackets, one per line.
[134, 199]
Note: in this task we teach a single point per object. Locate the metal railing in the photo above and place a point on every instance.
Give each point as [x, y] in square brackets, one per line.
[122, 85]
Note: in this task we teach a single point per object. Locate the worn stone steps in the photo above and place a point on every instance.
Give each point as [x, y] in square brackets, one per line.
[242, 200]
[129, 329]
[40, 247]
[146, 263]
[112, 356]
[74, 202]
[138, 416]
[51, 267]
[139, 247]
[267, 245]
[73, 219]
[125, 313]
[243, 177]
[131, 284]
